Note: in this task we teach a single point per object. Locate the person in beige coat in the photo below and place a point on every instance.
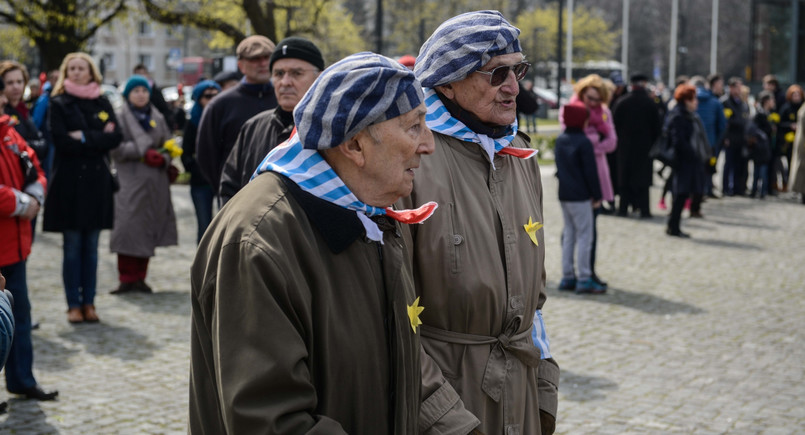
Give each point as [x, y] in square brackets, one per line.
[479, 262]
[304, 316]
[144, 217]
[797, 172]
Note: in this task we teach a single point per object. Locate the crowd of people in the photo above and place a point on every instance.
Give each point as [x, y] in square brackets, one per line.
[316, 176]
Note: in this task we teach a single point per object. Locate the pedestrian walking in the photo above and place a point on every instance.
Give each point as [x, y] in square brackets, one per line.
[144, 218]
[687, 138]
[200, 190]
[579, 194]
[22, 190]
[80, 202]
[479, 261]
[304, 314]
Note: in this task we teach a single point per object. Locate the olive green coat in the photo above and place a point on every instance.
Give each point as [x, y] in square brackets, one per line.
[481, 278]
[299, 323]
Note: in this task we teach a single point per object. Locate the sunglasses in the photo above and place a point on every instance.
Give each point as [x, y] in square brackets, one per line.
[499, 75]
[208, 96]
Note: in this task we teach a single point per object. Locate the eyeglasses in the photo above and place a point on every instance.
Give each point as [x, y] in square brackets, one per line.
[208, 96]
[499, 75]
[294, 74]
[592, 99]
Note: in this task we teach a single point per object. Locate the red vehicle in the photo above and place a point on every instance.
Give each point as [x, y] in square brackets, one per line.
[194, 68]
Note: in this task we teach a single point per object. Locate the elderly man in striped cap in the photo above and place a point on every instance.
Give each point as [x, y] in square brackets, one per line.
[304, 315]
[479, 262]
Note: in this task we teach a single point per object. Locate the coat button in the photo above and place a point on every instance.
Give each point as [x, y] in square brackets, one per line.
[457, 239]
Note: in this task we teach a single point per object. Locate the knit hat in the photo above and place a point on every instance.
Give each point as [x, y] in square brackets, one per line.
[295, 47]
[462, 45]
[133, 82]
[359, 90]
[575, 115]
[254, 46]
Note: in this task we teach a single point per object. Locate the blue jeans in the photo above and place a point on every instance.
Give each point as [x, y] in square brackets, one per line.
[202, 201]
[19, 366]
[761, 173]
[80, 266]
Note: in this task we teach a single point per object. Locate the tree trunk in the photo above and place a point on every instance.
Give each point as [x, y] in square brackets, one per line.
[53, 52]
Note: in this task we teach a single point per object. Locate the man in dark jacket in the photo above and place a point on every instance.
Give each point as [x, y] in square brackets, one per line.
[294, 64]
[736, 162]
[711, 112]
[225, 115]
[304, 313]
[638, 124]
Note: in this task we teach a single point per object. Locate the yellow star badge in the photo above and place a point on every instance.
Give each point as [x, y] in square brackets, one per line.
[728, 113]
[413, 313]
[531, 228]
[152, 123]
[103, 116]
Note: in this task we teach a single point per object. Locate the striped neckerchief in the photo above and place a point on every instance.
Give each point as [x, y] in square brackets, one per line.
[308, 169]
[440, 120]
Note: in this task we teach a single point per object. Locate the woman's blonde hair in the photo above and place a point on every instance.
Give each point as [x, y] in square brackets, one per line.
[58, 88]
[592, 81]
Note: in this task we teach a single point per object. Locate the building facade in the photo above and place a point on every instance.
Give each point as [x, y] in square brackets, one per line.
[778, 40]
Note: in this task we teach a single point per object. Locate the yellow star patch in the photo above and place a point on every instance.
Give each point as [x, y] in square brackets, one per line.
[413, 313]
[531, 228]
[728, 113]
[152, 123]
[103, 116]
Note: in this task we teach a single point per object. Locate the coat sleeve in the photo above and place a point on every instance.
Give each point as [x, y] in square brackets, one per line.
[232, 177]
[608, 143]
[208, 146]
[99, 140]
[255, 323]
[441, 412]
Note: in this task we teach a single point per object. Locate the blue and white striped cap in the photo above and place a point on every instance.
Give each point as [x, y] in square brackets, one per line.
[462, 45]
[352, 94]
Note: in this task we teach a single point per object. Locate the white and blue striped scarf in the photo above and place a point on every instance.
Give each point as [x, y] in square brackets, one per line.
[440, 120]
[308, 169]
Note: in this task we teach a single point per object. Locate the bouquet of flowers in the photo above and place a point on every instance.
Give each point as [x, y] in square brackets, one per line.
[172, 148]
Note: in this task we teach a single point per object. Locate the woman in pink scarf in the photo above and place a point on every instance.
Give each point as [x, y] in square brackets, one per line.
[600, 129]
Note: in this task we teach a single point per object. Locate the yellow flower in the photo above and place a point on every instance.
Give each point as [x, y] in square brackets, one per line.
[152, 123]
[103, 116]
[171, 148]
[604, 117]
[712, 161]
[531, 229]
[789, 137]
[14, 119]
[413, 314]
[728, 112]
[774, 117]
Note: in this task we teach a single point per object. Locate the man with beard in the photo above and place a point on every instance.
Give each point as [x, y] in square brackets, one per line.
[295, 64]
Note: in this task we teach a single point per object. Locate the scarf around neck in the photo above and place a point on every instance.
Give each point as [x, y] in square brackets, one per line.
[143, 116]
[90, 91]
[439, 119]
[308, 169]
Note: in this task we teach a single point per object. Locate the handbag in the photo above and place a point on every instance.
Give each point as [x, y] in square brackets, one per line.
[662, 150]
[113, 174]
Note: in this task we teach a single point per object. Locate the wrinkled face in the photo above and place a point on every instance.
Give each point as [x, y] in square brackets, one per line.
[392, 151]
[591, 97]
[493, 105]
[15, 86]
[78, 71]
[292, 78]
[255, 69]
[139, 97]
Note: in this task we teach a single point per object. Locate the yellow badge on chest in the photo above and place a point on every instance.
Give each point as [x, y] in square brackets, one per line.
[531, 228]
[103, 116]
[413, 314]
[152, 123]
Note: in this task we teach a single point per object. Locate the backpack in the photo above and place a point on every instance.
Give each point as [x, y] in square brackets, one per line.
[661, 150]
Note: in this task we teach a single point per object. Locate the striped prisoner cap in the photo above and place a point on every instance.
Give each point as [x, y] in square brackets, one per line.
[462, 45]
[352, 94]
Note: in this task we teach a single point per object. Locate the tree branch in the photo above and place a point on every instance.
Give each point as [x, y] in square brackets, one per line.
[165, 16]
[121, 6]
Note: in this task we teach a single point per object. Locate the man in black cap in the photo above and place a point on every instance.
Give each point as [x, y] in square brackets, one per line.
[638, 124]
[223, 116]
[294, 65]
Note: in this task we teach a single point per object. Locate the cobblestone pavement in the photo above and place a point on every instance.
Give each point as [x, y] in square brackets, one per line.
[696, 336]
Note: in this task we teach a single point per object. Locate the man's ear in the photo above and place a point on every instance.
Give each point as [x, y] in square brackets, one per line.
[354, 149]
[446, 90]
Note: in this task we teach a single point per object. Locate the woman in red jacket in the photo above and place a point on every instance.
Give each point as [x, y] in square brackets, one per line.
[22, 191]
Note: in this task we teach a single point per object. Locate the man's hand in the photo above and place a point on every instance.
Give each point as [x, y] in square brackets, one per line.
[76, 134]
[32, 210]
[596, 204]
[109, 127]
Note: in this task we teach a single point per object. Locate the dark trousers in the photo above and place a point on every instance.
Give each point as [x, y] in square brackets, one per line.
[202, 201]
[735, 171]
[19, 366]
[676, 212]
[696, 203]
[131, 269]
[636, 197]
